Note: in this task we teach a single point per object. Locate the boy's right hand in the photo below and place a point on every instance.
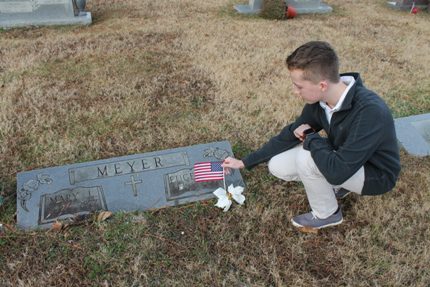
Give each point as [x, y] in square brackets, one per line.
[299, 132]
[231, 162]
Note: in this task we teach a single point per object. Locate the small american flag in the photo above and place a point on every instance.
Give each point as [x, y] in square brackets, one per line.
[208, 171]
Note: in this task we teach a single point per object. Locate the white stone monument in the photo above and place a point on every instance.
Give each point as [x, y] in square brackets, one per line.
[18, 13]
[254, 7]
[309, 6]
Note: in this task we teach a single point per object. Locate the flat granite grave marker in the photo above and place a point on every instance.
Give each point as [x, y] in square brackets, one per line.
[136, 182]
[309, 6]
[17, 13]
[413, 133]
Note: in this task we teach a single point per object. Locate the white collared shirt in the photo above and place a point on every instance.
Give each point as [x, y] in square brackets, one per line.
[347, 80]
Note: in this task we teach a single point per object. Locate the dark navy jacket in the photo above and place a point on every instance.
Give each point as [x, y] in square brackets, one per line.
[360, 134]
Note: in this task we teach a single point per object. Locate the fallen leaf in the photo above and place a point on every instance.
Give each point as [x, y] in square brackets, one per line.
[56, 226]
[307, 229]
[9, 227]
[104, 215]
[75, 245]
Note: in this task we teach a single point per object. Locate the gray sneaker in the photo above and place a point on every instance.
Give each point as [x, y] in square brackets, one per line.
[341, 192]
[311, 220]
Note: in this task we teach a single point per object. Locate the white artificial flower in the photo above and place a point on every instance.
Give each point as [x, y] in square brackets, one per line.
[225, 198]
[236, 193]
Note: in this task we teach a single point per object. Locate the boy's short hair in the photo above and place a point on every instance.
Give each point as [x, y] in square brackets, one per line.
[317, 59]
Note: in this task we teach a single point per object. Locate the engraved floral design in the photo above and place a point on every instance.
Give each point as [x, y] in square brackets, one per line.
[29, 187]
[216, 152]
[44, 179]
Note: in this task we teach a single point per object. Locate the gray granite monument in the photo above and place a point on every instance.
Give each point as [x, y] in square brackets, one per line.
[301, 6]
[309, 6]
[413, 133]
[17, 13]
[136, 182]
[254, 7]
[407, 4]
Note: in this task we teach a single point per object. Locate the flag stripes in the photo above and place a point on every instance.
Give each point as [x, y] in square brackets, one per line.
[208, 171]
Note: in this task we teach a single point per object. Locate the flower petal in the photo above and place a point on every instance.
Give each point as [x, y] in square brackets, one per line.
[220, 192]
[236, 190]
[239, 198]
[223, 202]
[227, 207]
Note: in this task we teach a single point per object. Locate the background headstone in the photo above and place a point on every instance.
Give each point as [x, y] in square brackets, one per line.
[16, 13]
[413, 133]
[254, 7]
[309, 6]
[136, 182]
[407, 4]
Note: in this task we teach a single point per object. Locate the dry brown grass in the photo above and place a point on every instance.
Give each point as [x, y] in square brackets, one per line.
[150, 75]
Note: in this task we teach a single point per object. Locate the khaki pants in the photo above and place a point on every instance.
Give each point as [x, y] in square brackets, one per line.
[297, 164]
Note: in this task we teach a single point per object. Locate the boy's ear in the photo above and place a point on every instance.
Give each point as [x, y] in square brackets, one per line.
[323, 86]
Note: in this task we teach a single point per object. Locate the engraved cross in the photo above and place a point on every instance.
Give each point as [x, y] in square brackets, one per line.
[133, 184]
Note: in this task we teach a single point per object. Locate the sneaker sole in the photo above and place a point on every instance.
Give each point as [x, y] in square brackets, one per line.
[327, 225]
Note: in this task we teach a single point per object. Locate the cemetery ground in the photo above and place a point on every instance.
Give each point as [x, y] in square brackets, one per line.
[153, 75]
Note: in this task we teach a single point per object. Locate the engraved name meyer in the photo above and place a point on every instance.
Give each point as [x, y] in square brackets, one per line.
[118, 168]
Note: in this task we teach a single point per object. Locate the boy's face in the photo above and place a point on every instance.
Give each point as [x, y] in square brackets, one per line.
[307, 90]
